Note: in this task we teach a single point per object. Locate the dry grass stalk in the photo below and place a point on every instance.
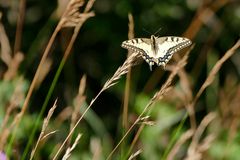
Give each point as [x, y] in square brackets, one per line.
[45, 54]
[207, 119]
[191, 113]
[70, 149]
[48, 134]
[195, 149]
[174, 72]
[229, 100]
[78, 22]
[20, 22]
[130, 27]
[206, 10]
[134, 155]
[145, 120]
[4, 135]
[72, 16]
[128, 77]
[44, 127]
[187, 96]
[206, 14]
[65, 114]
[149, 123]
[184, 137]
[186, 87]
[229, 108]
[78, 102]
[197, 22]
[164, 89]
[204, 146]
[89, 6]
[232, 130]
[131, 61]
[201, 148]
[216, 68]
[43, 73]
[35, 79]
[16, 98]
[61, 8]
[15, 101]
[190, 105]
[157, 96]
[13, 66]
[5, 45]
[96, 148]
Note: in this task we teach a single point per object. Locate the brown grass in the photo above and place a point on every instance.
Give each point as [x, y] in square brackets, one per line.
[44, 127]
[216, 68]
[131, 61]
[70, 149]
[195, 150]
[184, 137]
[128, 77]
[5, 45]
[199, 143]
[16, 99]
[157, 96]
[20, 22]
[79, 100]
[71, 18]
[64, 22]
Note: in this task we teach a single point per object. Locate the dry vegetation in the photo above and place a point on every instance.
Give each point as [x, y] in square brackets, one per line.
[176, 140]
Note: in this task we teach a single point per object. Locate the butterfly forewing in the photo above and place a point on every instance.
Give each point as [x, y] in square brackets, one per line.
[137, 44]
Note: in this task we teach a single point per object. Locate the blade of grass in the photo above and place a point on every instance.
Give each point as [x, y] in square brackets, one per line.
[17, 119]
[175, 137]
[43, 108]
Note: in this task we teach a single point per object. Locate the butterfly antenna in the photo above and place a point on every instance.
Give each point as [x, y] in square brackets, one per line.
[145, 30]
[158, 30]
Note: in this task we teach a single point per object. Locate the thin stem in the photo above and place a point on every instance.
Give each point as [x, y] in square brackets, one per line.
[20, 21]
[111, 82]
[74, 127]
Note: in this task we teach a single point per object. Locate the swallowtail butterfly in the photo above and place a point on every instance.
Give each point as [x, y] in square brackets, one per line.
[157, 50]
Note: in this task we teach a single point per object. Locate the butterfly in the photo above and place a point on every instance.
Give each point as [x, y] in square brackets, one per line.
[157, 50]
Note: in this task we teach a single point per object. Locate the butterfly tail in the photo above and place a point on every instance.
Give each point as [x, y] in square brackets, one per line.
[150, 65]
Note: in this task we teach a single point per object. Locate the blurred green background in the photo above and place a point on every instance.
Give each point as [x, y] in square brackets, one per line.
[97, 53]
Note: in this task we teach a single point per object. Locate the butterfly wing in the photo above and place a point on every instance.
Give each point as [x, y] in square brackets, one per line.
[167, 46]
[142, 46]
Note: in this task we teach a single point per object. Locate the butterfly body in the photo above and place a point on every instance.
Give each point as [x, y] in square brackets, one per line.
[157, 50]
